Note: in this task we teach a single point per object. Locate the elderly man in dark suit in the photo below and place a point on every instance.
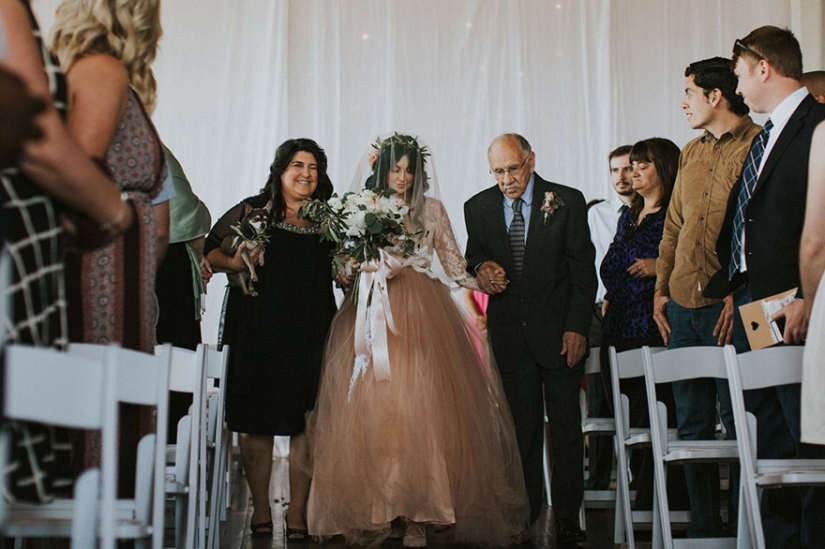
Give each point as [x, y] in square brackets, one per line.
[758, 249]
[529, 247]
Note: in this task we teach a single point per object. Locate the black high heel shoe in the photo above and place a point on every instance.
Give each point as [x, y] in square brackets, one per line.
[297, 535]
[261, 529]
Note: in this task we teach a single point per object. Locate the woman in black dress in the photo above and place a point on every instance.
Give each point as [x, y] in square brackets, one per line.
[276, 339]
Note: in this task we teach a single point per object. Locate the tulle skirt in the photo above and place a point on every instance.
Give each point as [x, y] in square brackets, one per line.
[435, 443]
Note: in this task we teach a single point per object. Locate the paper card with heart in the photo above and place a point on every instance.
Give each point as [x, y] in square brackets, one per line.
[756, 316]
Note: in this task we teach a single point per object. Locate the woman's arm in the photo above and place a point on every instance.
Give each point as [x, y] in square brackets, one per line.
[219, 261]
[55, 162]
[453, 262]
[812, 246]
[222, 263]
[98, 93]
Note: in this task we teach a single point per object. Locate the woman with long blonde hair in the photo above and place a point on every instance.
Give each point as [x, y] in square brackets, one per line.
[105, 47]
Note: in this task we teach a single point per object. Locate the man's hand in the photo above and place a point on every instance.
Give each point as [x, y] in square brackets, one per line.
[18, 110]
[796, 323]
[660, 316]
[491, 278]
[724, 326]
[573, 345]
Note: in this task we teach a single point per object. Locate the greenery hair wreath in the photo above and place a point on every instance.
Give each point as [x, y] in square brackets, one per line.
[405, 141]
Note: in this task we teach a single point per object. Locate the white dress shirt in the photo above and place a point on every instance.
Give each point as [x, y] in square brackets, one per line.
[603, 219]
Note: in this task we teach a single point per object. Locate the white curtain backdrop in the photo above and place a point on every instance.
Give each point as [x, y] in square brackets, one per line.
[576, 77]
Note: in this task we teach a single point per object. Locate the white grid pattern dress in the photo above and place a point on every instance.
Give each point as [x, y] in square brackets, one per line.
[32, 240]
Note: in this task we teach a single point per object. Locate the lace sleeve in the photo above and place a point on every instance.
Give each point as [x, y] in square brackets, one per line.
[451, 258]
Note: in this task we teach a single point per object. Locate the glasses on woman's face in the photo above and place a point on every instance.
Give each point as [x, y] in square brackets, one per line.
[739, 45]
[499, 173]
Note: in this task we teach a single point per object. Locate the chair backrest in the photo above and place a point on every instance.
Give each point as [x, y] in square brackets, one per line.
[688, 363]
[216, 360]
[769, 367]
[677, 365]
[186, 375]
[625, 365]
[143, 380]
[48, 386]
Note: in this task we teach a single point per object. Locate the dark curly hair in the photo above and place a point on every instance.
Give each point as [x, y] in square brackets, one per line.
[283, 156]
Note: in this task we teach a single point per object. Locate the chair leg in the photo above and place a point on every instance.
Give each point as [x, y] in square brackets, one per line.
[656, 533]
[548, 472]
[623, 505]
[660, 501]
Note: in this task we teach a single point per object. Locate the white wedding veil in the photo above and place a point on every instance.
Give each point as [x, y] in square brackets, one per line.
[380, 159]
[374, 168]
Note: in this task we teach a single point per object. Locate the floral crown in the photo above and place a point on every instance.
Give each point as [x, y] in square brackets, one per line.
[404, 141]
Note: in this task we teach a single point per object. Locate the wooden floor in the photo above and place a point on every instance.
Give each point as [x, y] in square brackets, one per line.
[235, 531]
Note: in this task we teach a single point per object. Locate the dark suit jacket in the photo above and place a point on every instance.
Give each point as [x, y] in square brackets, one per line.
[775, 213]
[558, 284]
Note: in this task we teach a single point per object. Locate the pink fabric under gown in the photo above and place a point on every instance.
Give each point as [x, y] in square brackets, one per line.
[436, 442]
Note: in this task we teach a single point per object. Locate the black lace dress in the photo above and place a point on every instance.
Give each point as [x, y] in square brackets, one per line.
[276, 339]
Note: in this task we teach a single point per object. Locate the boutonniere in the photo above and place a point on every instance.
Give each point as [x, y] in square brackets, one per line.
[550, 204]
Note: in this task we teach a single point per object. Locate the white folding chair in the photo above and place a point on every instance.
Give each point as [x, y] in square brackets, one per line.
[629, 365]
[592, 427]
[217, 448]
[143, 380]
[666, 367]
[48, 386]
[769, 367]
[186, 375]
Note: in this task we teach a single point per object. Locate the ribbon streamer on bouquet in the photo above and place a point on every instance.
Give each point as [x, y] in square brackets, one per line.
[373, 317]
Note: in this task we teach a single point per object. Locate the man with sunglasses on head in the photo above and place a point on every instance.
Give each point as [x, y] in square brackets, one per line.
[758, 249]
[528, 244]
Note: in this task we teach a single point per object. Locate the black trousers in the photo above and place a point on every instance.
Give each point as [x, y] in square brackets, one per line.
[528, 387]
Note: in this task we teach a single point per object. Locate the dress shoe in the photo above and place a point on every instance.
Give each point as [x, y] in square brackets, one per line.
[568, 532]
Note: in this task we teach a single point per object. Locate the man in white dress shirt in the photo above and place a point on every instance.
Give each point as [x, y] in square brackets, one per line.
[603, 218]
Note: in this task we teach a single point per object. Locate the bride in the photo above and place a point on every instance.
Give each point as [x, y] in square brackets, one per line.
[429, 445]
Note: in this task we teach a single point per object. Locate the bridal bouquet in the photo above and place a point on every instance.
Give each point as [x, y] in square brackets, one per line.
[360, 224]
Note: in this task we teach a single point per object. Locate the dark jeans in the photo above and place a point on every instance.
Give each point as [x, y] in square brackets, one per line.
[696, 419]
[791, 517]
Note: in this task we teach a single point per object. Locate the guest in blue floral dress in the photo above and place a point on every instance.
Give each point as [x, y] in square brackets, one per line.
[629, 275]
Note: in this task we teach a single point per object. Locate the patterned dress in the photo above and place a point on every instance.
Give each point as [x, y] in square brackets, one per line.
[33, 254]
[112, 289]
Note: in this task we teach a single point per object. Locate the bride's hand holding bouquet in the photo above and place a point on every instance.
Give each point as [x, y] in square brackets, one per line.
[361, 224]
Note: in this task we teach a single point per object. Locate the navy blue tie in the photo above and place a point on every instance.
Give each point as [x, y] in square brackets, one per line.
[750, 175]
[516, 234]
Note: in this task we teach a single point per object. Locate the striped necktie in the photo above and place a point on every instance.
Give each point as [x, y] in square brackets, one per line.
[750, 175]
[517, 237]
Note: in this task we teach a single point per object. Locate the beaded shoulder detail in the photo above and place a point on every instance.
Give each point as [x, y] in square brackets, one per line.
[296, 229]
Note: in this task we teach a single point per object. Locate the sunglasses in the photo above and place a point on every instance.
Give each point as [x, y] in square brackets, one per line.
[739, 45]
